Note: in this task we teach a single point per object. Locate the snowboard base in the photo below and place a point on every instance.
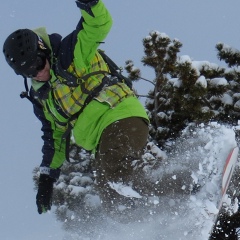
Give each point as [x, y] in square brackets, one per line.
[225, 225]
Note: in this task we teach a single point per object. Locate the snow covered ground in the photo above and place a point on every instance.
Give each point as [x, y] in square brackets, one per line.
[203, 150]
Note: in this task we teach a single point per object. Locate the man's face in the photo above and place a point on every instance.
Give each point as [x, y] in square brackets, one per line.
[44, 74]
[39, 69]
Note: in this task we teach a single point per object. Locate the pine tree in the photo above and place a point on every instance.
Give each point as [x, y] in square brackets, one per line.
[186, 91]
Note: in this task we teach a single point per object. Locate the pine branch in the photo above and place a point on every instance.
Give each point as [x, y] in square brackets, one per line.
[148, 81]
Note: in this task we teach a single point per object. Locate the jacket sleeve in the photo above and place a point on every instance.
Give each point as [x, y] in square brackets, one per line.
[54, 147]
[95, 26]
[79, 47]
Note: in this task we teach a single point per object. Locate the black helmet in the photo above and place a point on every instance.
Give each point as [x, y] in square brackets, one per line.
[22, 48]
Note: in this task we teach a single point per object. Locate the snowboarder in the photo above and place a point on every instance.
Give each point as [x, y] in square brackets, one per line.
[72, 90]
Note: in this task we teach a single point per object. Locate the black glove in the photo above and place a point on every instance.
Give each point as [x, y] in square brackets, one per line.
[44, 195]
[86, 5]
[90, 2]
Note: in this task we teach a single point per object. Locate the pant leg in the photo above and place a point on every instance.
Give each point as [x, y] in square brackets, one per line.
[119, 153]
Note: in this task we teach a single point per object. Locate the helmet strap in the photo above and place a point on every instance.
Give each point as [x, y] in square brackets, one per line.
[25, 94]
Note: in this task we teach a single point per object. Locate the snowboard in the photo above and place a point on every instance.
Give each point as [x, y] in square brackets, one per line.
[227, 174]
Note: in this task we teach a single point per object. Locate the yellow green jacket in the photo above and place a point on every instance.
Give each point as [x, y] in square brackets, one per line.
[55, 102]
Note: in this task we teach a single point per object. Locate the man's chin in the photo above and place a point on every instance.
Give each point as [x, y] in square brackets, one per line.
[43, 78]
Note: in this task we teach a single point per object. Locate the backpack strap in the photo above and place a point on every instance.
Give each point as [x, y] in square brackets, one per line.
[114, 69]
[74, 81]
